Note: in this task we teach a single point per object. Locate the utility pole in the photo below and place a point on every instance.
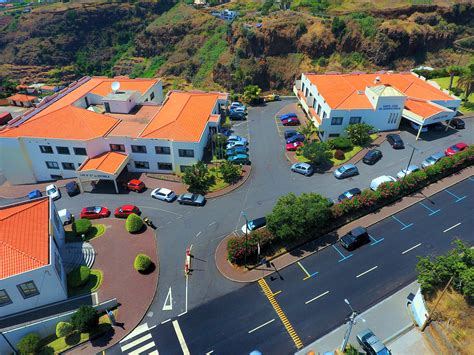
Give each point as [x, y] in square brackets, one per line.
[409, 162]
[352, 321]
[436, 304]
[246, 234]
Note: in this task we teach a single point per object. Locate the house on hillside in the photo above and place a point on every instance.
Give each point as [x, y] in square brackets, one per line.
[22, 100]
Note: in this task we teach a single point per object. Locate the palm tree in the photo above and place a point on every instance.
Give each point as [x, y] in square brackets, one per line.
[466, 82]
[307, 130]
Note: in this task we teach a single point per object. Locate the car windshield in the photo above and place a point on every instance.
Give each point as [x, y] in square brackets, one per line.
[51, 191]
[455, 148]
[348, 194]
[97, 209]
[251, 225]
[431, 159]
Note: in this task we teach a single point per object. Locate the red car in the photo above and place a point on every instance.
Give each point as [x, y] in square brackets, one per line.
[136, 185]
[290, 121]
[294, 146]
[95, 212]
[455, 148]
[126, 210]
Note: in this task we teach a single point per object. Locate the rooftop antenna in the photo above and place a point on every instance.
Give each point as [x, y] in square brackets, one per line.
[115, 86]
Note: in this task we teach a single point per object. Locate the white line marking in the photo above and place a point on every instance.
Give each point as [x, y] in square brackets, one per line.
[154, 352]
[136, 342]
[138, 330]
[182, 314]
[315, 298]
[210, 352]
[413, 247]
[160, 209]
[210, 224]
[180, 336]
[447, 230]
[186, 294]
[197, 235]
[168, 306]
[153, 326]
[365, 272]
[169, 222]
[142, 349]
[261, 326]
[166, 321]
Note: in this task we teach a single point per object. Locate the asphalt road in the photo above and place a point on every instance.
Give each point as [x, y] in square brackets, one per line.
[311, 293]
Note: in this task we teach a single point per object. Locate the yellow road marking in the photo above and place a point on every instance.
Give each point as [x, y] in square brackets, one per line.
[304, 270]
[277, 293]
[289, 328]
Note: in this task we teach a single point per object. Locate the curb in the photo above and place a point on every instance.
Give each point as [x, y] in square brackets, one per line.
[236, 186]
[399, 334]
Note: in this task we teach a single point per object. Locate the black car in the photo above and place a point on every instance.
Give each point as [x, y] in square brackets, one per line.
[72, 188]
[348, 195]
[290, 133]
[355, 238]
[395, 141]
[438, 127]
[457, 123]
[298, 137]
[372, 156]
[237, 116]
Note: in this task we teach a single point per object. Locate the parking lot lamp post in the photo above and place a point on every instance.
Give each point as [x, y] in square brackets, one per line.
[352, 321]
[246, 233]
[409, 162]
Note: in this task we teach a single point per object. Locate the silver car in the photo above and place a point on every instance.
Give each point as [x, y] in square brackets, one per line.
[432, 159]
[346, 171]
[302, 168]
[402, 173]
[371, 344]
[191, 199]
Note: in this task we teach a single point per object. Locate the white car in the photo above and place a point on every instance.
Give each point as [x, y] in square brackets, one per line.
[233, 144]
[412, 168]
[237, 139]
[53, 192]
[65, 216]
[374, 185]
[236, 104]
[163, 194]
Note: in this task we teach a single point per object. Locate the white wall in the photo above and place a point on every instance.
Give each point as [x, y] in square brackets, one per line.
[15, 162]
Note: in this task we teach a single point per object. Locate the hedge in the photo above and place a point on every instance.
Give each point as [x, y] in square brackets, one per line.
[29, 344]
[85, 319]
[142, 263]
[134, 223]
[342, 143]
[78, 276]
[81, 226]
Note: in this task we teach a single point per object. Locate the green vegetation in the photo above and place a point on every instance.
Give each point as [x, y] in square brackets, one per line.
[251, 94]
[142, 263]
[198, 178]
[230, 172]
[94, 282]
[95, 231]
[63, 329]
[316, 153]
[359, 133]
[78, 276]
[29, 344]
[81, 226]
[85, 319]
[466, 106]
[367, 23]
[134, 223]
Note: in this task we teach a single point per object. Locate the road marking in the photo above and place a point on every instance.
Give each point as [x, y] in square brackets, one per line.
[168, 306]
[413, 247]
[277, 293]
[136, 342]
[261, 326]
[375, 241]
[405, 226]
[180, 336]
[315, 298]
[160, 209]
[308, 275]
[365, 272]
[166, 321]
[289, 328]
[197, 235]
[340, 253]
[447, 230]
[432, 211]
[143, 349]
[138, 330]
[458, 198]
[209, 352]
[210, 224]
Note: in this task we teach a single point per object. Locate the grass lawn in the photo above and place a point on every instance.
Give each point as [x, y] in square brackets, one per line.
[219, 183]
[96, 231]
[95, 281]
[465, 106]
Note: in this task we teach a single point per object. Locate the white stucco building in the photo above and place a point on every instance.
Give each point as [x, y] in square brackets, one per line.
[76, 128]
[31, 268]
[334, 101]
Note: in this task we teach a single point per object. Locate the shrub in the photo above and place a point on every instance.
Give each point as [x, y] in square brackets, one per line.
[230, 172]
[78, 276]
[342, 143]
[236, 245]
[142, 262]
[63, 329]
[85, 319]
[339, 154]
[81, 226]
[134, 223]
[28, 344]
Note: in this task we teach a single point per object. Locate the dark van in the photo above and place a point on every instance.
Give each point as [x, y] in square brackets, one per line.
[355, 238]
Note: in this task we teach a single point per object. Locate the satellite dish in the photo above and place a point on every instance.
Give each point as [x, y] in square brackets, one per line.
[115, 86]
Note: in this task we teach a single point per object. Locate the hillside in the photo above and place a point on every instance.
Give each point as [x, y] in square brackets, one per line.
[264, 45]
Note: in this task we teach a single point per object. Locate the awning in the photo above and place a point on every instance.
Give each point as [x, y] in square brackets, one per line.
[107, 165]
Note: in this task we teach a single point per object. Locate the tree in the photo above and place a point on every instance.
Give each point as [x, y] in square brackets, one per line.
[359, 133]
[197, 177]
[307, 131]
[63, 329]
[466, 82]
[316, 152]
[219, 142]
[230, 172]
[29, 344]
[251, 93]
[338, 27]
[85, 319]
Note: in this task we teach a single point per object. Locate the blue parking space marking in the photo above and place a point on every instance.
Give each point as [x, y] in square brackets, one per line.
[405, 226]
[432, 211]
[375, 241]
[344, 257]
[471, 178]
[458, 198]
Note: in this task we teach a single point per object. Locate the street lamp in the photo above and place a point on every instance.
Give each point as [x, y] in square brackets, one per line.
[352, 321]
[246, 233]
[409, 161]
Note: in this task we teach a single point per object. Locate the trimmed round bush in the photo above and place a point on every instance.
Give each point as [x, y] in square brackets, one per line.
[63, 329]
[342, 143]
[81, 226]
[142, 263]
[85, 319]
[339, 154]
[134, 223]
[29, 344]
[79, 276]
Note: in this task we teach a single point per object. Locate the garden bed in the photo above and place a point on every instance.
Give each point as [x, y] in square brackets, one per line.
[95, 231]
[93, 284]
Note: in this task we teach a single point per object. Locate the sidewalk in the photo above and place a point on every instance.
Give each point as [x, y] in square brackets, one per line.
[242, 275]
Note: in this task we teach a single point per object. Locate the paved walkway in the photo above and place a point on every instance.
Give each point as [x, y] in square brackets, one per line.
[8, 191]
[243, 275]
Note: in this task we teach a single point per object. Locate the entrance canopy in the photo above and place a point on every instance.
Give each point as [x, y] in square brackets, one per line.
[105, 166]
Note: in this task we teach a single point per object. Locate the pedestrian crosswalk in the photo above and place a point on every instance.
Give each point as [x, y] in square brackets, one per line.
[139, 341]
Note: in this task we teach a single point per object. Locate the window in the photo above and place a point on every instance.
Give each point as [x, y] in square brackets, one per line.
[324, 115]
[4, 298]
[184, 167]
[80, 151]
[62, 150]
[52, 165]
[138, 148]
[46, 149]
[333, 135]
[162, 150]
[165, 166]
[68, 166]
[319, 109]
[152, 96]
[107, 106]
[142, 165]
[354, 120]
[336, 121]
[187, 153]
[28, 289]
[117, 147]
[393, 118]
[55, 177]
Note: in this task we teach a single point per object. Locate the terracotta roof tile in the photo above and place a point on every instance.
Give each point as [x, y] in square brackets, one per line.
[423, 108]
[108, 162]
[22, 98]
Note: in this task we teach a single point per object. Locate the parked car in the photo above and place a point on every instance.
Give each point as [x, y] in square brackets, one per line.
[407, 171]
[395, 141]
[271, 97]
[438, 126]
[34, 194]
[191, 199]
[237, 104]
[136, 185]
[234, 138]
[225, 131]
[349, 194]
[457, 123]
[288, 115]
[254, 225]
[298, 137]
[293, 146]
[374, 185]
[234, 144]
[53, 192]
[126, 210]
[416, 127]
[302, 168]
[346, 171]
[239, 159]
[290, 133]
[95, 212]
[236, 150]
[432, 159]
[237, 116]
[456, 148]
[372, 156]
[72, 188]
[238, 109]
[163, 194]
[292, 121]
[371, 344]
[65, 217]
[355, 238]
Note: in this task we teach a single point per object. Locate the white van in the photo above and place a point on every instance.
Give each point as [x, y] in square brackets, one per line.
[65, 216]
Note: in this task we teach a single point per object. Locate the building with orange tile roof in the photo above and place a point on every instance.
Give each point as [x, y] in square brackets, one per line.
[22, 100]
[31, 267]
[334, 101]
[95, 116]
